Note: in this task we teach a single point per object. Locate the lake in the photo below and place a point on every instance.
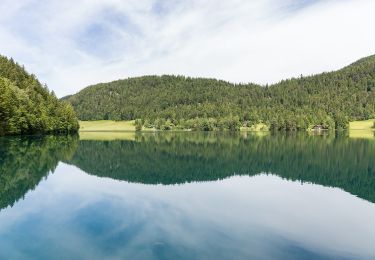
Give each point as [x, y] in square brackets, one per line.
[187, 196]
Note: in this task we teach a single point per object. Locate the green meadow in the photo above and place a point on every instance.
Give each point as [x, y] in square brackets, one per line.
[362, 129]
[362, 125]
[106, 126]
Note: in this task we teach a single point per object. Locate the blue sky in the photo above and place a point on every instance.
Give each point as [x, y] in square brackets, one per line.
[71, 44]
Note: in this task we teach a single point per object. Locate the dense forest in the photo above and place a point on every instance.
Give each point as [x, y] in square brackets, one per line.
[166, 102]
[176, 158]
[27, 107]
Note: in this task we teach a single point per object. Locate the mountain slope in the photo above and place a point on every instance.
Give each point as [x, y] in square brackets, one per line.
[328, 99]
[28, 107]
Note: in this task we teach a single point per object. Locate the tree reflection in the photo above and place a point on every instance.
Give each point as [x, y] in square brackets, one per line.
[25, 161]
[176, 158]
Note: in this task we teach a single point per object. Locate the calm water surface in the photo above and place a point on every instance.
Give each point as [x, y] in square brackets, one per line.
[187, 196]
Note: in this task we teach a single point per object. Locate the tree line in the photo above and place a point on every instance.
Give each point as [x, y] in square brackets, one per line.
[330, 100]
[28, 107]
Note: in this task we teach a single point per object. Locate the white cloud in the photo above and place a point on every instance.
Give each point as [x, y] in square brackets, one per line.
[71, 44]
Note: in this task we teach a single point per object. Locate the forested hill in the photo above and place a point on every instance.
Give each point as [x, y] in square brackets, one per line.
[328, 99]
[28, 107]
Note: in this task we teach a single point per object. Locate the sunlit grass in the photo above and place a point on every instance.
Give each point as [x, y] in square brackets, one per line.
[362, 125]
[362, 129]
[107, 136]
[109, 126]
[106, 125]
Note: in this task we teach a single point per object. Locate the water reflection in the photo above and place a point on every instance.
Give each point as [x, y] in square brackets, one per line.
[219, 196]
[78, 216]
[177, 158]
[24, 161]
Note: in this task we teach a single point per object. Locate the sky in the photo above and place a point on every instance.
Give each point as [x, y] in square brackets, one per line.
[71, 44]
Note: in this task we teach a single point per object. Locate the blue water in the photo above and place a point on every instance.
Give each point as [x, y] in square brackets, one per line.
[134, 203]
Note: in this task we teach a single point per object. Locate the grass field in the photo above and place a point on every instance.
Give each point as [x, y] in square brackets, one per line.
[362, 129]
[106, 126]
[107, 136]
[362, 125]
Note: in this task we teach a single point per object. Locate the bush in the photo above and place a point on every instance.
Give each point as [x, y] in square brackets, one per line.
[341, 121]
[138, 125]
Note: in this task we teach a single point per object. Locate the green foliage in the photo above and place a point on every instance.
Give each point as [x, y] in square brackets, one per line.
[28, 107]
[138, 125]
[329, 99]
[341, 121]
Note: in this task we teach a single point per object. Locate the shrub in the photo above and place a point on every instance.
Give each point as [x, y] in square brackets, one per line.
[138, 125]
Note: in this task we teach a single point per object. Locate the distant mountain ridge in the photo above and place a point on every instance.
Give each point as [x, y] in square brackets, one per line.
[329, 99]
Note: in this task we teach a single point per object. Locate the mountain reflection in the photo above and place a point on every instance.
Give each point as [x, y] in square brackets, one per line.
[177, 158]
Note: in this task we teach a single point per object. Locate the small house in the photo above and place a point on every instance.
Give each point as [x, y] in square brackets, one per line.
[319, 128]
